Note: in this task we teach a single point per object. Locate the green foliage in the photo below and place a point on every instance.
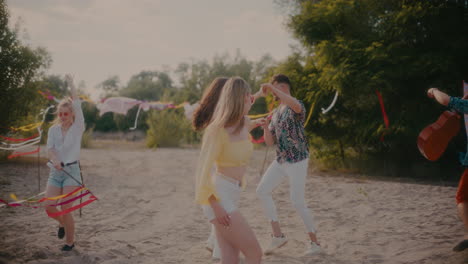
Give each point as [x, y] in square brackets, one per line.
[193, 78]
[20, 67]
[169, 128]
[400, 48]
[147, 85]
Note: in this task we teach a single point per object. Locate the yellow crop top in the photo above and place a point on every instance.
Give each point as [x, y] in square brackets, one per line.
[218, 149]
[234, 154]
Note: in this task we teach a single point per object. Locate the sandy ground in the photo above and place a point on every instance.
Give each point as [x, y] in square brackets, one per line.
[146, 214]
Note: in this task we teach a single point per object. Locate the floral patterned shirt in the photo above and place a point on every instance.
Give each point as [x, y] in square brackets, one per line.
[287, 129]
[460, 105]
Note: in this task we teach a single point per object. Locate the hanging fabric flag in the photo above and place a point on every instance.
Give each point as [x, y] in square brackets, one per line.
[119, 105]
[189, 109]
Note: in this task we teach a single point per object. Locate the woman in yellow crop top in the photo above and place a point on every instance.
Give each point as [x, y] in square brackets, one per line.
[226, 144]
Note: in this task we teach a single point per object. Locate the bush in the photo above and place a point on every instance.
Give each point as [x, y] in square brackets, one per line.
[169, 128]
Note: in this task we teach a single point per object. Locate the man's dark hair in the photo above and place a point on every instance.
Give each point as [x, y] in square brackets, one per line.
[281, 78]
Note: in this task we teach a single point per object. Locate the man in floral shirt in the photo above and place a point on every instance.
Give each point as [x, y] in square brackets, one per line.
[461, 105]
[286, 130]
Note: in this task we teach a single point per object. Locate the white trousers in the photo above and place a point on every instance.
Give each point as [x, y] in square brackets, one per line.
[297, 173]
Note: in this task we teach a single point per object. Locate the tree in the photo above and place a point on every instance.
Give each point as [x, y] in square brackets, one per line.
[399, 48]
[110, 86]
[20, 68]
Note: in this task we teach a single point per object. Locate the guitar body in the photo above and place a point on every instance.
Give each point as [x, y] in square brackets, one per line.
[434, 139]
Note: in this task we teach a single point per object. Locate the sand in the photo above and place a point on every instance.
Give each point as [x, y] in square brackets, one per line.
[146, 214]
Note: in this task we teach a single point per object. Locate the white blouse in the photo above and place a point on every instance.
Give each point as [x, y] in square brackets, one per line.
[68, 147]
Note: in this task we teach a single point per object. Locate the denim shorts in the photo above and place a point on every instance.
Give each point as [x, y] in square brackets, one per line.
[60, 179]
[229, 191]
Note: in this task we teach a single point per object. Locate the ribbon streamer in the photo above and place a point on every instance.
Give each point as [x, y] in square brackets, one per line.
[27, 127]
[44, 206]
[91, 199]
[136, 118]
[258, 141]
[18, 154]
[324, 111]
[22, 146]
[384, 113]
[14, 145]
[19, 139]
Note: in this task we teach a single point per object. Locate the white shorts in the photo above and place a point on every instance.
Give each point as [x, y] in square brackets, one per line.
[228, 190]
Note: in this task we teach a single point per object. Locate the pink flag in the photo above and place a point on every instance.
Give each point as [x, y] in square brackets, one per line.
[119, 105]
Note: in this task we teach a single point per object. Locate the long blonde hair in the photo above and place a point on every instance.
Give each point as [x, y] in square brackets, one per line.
[67, 103]
[230, 108]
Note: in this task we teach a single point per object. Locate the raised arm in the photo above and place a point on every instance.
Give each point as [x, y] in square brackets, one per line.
[79, 117]
[258, 94]
[459, 104]
[441, 97]
[287, 99]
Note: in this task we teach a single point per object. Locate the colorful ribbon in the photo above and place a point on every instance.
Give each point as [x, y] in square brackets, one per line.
[324, 111]
[258, 116]
[91, 199]
[19, 139]
[44, 206]
[27, 127]
[63, 195]
[18, 154]
[26, 142]
[257, 141]
[384, 113]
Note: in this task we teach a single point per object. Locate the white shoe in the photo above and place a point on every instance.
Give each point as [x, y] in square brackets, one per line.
[276, 242]
[216, 252]
[314, 248]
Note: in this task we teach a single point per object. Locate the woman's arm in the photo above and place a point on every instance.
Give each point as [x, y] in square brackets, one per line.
[79, 117]
[287, 99]
[53, 157]
[267, 135]
[259, 94]
[256, 123]
[221, 215]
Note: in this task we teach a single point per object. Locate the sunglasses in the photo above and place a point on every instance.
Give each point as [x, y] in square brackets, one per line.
[63, 114]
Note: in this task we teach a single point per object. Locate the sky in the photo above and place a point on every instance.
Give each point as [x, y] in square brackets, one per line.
[96, 39]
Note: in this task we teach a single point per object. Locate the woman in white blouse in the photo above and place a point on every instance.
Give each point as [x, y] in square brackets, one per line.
[63, 146]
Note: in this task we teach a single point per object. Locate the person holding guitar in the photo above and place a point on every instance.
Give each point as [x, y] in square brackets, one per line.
[460, 105]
